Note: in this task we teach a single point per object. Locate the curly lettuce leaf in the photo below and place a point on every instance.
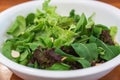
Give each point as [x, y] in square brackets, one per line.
[18, 27]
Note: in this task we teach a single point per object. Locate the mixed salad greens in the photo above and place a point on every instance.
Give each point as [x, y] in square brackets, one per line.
[47, 40]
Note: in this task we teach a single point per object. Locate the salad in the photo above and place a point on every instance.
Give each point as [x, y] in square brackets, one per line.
[47, 40]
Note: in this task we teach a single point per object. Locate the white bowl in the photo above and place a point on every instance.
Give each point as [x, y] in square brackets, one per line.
[105, 14]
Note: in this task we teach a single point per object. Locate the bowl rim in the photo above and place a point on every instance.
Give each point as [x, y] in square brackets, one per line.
[60, 74]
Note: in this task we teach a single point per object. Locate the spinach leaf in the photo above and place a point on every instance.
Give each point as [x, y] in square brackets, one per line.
[24, 55]
[6, 49]
[74, 16]
[109, 54]
[82, 39]
[102, 26]
[71, 57]
[30, 19]
[59, 66]
[84, 63]
[72, 13]
[97, 31]
[36, 65]
[87, 51]
[81, 23]
[24, 62]
[115, 49]
[34, 45]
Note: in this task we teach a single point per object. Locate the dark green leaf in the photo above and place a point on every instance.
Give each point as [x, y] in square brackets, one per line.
[24, 62]
[72, 13]
[59, 66]
[74, 16]
[87, 51]
[115, 49]
[30, 19]
[102, 26]
[82, 22]
[71, 57]
[36, 65]
[84, 63]
[97, 31]
[109, 54]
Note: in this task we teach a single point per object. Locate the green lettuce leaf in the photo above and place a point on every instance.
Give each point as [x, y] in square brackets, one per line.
[18, 27]
[113, 31]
